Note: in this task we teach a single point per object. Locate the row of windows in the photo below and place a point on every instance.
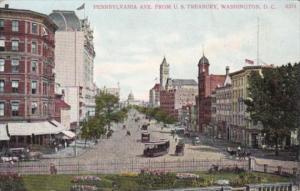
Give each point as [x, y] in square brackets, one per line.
[15, 65]
[15, 26]
[238, 93]
[239, 107]
[15, 108]
[15, 86]
[223, 118]
[238, 120]
[226, 107]
[15, 46]
[238, 82]
[223, 96]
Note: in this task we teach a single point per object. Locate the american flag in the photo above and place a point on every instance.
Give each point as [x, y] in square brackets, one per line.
[247, 61]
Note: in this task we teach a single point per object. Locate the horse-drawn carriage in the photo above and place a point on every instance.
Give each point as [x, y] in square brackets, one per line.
[239, 153]
[179, 149]
[145, 137]
[145, 127]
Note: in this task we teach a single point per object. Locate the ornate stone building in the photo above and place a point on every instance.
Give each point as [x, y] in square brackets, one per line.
[75, 63]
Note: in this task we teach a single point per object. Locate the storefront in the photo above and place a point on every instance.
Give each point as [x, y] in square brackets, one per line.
[33, 133]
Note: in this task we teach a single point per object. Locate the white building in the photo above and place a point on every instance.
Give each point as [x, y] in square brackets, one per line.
[74, 58]
[154, 96]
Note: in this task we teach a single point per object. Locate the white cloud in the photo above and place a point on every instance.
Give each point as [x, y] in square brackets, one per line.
[130, 45]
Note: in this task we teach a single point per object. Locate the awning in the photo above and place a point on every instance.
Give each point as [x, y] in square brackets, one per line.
[68, 134]
[36, 128]
[3, 133]
[65, 135]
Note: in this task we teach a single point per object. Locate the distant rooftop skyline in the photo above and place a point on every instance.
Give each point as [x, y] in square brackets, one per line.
[131, 44]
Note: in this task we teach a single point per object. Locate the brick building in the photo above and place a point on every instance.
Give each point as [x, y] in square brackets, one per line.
[26, 75]
[178, 93]
[62, 111]
[167, 102]
[26, 65]
[206, 84]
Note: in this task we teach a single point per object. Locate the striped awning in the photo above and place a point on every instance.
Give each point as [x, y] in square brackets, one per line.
[34, 128]
[3, 133]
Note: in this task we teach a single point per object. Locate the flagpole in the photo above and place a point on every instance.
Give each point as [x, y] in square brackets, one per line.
[258, 41]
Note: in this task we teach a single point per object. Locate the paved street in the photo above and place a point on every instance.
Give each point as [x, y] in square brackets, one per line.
[120, 146]
[121, 153]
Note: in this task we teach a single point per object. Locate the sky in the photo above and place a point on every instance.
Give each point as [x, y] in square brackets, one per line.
[130, 43]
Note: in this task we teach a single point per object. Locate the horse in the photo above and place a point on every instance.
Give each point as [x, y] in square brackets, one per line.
[231, 152]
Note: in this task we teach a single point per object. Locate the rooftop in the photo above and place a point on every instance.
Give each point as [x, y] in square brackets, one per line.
[66, 20]
[184, 82]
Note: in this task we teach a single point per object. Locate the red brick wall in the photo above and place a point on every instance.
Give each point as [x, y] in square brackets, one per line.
[206, 84]
[167, 102]
[25, 74]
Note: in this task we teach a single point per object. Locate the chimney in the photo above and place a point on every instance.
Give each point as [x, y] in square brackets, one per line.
[6, 6]
[227, 70]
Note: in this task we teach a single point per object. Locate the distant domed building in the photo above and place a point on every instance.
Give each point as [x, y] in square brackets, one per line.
[130, 97]
[132, 101]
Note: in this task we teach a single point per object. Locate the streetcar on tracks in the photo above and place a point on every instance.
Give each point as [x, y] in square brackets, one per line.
[157, 148]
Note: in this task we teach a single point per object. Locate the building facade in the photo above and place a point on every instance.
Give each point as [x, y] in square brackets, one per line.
[206, 84]
[75, 63]
[27, 84]
[178, 93]
[26, 65]
[243, 130]
[223, 105]
[154, 96]
[62, 111]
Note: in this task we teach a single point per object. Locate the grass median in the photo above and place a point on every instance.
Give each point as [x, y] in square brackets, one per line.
[137, 182]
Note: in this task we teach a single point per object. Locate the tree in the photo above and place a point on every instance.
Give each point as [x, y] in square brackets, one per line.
[273, 102]
[92, 128]
[156, 113]
[107, 109]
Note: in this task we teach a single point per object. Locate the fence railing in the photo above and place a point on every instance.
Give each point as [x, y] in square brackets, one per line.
[121, 166]
[278, 169]
[286, 186]
[117, 166]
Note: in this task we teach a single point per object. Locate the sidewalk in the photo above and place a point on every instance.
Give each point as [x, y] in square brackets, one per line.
[69, 152]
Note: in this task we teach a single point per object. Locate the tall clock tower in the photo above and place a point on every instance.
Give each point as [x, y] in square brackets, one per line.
[164, 73]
